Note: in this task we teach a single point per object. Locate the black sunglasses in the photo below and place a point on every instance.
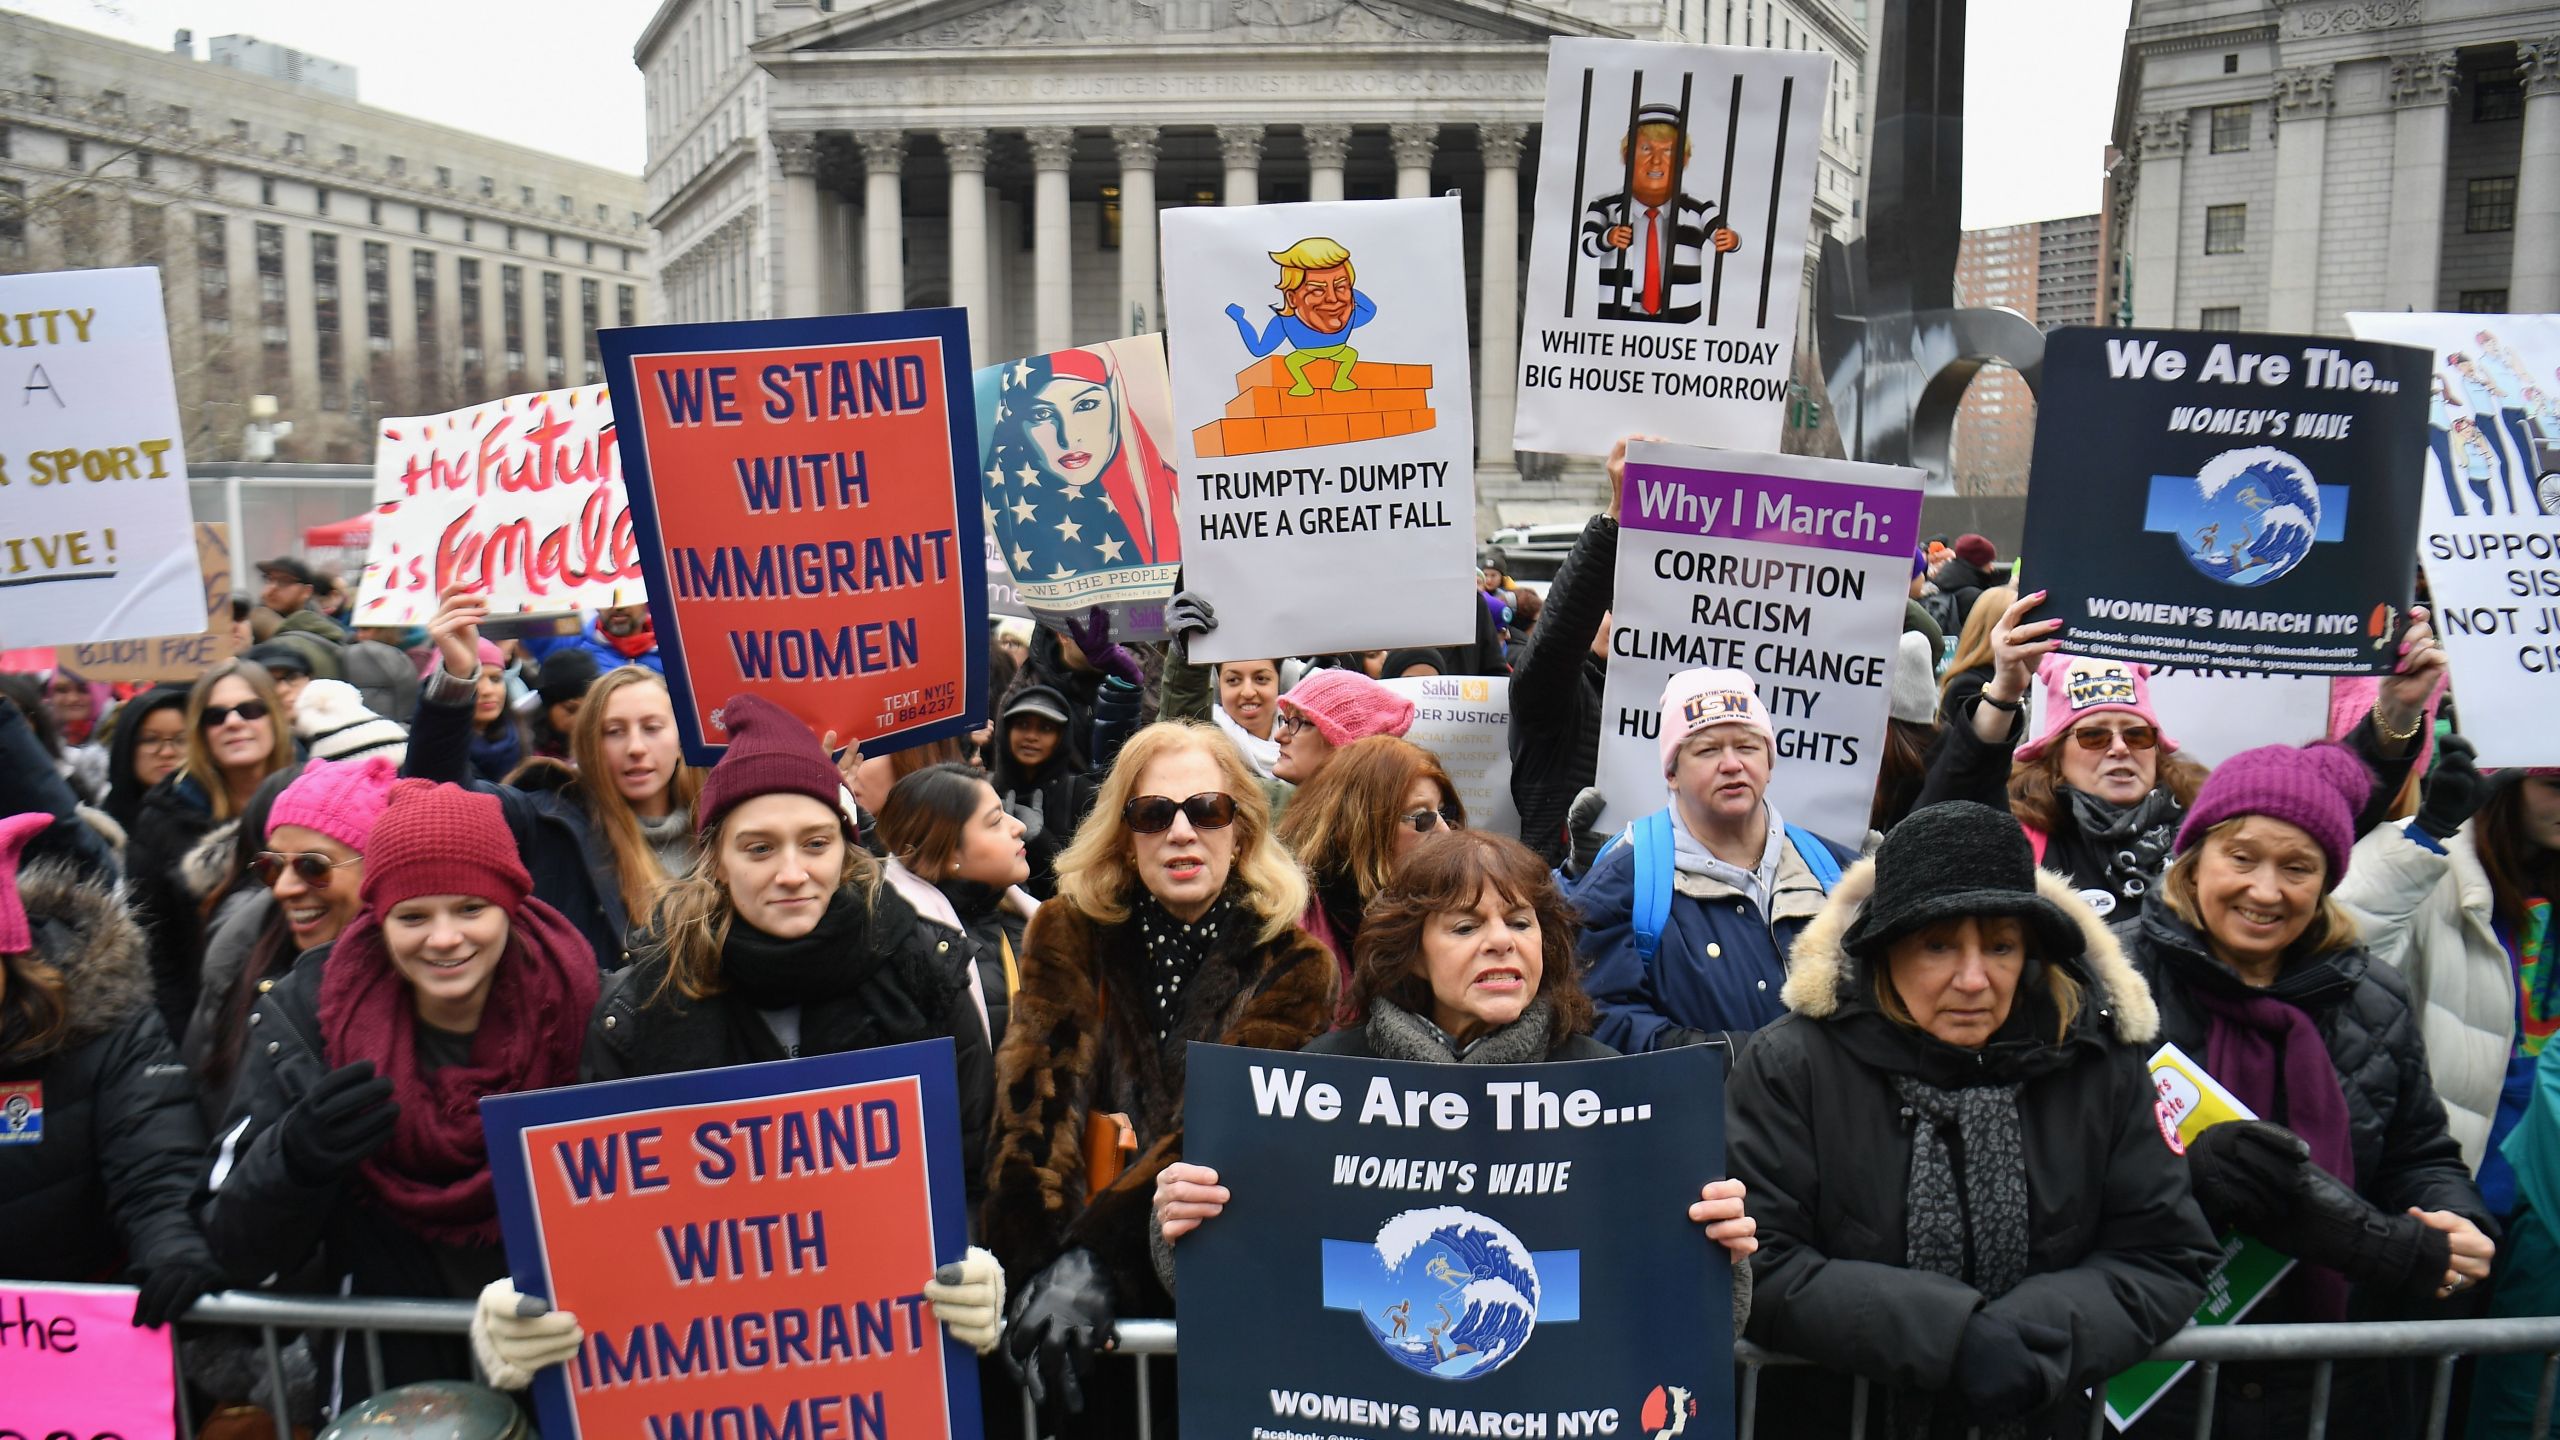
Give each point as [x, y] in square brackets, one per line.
[311, 865]
[1426, 821]
[221, 714]
[1153, 814]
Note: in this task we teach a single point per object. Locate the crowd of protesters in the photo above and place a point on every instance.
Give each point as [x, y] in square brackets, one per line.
[265, 937]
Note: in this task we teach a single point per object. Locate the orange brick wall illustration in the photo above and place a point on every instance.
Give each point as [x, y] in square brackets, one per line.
[1391, 400]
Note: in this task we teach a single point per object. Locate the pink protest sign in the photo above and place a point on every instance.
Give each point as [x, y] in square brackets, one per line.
[72, 1362]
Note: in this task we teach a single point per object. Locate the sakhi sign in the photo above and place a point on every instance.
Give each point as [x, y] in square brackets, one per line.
[806, 497]
[747, 1248]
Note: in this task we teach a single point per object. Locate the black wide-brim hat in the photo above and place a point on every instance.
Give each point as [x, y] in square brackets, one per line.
[1954, 860]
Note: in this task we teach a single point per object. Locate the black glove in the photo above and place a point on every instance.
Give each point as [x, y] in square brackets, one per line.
[2334, 1226]
[1058, 1321]
[2007, 1367]
[168, 1290]
[2455, 791]
[1186, 614]
[1584, 843]
[346, 1117]
[2244, 1171]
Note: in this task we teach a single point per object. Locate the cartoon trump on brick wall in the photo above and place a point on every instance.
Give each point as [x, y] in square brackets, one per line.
[1318, 310]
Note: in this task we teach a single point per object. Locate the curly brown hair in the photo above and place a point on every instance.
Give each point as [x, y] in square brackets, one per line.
[2035, 787]
[1446, 874]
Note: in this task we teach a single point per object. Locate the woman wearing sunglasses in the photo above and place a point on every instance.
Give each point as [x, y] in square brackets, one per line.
[1352, 825]
[2100, 787]
[236, 736]
[1175, 920]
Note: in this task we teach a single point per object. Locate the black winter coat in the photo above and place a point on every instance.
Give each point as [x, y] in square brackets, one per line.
[104, 1193]
[169, 866]
[2117, 1251]
[1555, 693]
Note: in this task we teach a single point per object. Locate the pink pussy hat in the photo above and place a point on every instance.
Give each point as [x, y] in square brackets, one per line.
[16, 938]
[1696, 699]
[2076, 687]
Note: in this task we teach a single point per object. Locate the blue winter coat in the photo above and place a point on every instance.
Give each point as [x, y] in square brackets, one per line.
[598, 648]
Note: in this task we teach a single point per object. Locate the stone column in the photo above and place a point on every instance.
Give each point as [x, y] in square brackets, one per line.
[2533, 287]
[2302, 148]
[1242, 145]
[1137, 147]
[884, 257]
[2422, 90]
[1498, 286]
[797, 151]
[2163, 137]
[965, 147]
[1414, 142]
[1327, 145]
[1053, 148]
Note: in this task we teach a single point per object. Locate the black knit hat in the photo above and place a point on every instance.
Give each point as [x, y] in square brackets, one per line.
[566, 676]
[1954, 860]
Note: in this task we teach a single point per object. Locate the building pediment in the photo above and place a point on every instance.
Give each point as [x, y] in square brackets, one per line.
[906, 25]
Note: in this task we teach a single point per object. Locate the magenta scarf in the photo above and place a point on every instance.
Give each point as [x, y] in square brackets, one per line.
[2252, 1038]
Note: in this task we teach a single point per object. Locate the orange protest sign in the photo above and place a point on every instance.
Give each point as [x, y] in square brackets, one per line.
[179, 658]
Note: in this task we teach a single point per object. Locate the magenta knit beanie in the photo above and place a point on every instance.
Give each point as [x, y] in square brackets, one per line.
[770, 753]
[442, 840]
[2320, 787]
[17, 937]
[341, 801]
[1345, 705]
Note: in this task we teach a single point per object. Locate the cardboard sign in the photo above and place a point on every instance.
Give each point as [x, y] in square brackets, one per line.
[1494, 1250]
[94, 512]
[520, 497]
[177, 658]
[2490, 537]
[1076, 470]
[1322, 421]
[805, 494]
[1465, 720]
[2235, 502]
[1675, 186]
[75, 1364]
[1791, 570]
[745, 1247]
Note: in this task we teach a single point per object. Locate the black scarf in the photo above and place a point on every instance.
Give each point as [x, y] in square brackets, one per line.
[1975, 1231]
[2131, 842]
[1175, 950]
[859, 980]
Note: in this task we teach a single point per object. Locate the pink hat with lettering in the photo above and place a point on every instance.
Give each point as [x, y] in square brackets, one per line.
[2075, 687]
[1696, 699]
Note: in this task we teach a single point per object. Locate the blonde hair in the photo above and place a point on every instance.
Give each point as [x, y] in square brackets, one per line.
[694, 912]
[200, 765]
[1313, 253]
[635, 865]
[1973, 646]
[1096, 874]
[2332, 928]
[2066, 991]
[1688, 145]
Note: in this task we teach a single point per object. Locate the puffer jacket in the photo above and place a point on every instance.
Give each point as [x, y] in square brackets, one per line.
[171, 864]
[2117, 1252]
[2428, 913]
[105, 1192]
[982, 924]
[1555, 693]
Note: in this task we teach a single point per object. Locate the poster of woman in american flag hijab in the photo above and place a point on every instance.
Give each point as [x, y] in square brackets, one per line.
[1078, 491]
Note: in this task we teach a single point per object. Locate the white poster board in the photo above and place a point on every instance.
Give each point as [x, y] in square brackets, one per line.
[1675, 186]
[1789, 569]
[97, 537]
[2216, 714]
[1323, 431]
[521, 497]
[2490, 537]
[1465, 720]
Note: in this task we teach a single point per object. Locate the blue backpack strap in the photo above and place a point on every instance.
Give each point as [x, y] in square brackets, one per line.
[1650, 839]
[1817, 856]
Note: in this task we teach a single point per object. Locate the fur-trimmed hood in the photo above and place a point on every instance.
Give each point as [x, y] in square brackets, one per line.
[84, 929]
[207, 863]
[1821, 972]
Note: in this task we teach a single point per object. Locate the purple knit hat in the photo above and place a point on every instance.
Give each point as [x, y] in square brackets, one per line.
[2320, 787]
[341, 801]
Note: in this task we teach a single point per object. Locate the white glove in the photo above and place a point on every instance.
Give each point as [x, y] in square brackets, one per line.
[515, 1335]
[968, 1296]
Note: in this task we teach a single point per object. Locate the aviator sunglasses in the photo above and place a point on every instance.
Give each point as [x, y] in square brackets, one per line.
[269, 866]
[1153, 814]
[2097, 739]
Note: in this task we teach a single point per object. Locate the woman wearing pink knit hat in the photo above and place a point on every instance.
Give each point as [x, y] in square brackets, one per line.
[1327, 710]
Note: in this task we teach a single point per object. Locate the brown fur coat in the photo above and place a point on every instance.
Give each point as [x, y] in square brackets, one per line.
[1069, 1051]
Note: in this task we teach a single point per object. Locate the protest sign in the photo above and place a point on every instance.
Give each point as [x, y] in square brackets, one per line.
[75, 1364]
[170, 658]
[1078, 484]
[2190, 1100]
[1322, 431]
[1675, 185]
[1465, 720]
[805, 493]
[521, 498]
[2235, 502]
[1791, 570]
[2216, 714]
[1400, 1234]
[2489, 538]
[94, 512]
[746, 1248]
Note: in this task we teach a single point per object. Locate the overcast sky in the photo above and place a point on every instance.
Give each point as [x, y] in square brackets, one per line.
[556, 75]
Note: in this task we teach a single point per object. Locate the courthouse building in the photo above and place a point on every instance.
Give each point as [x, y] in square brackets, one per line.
[1012, 157]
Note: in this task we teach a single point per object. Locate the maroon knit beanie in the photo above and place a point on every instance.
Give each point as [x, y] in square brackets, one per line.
[770, 753]
[442, 840]
[1976, 551]
[2320, 787]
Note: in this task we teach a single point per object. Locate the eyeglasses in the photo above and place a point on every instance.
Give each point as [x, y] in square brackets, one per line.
[2098, 739]
[215, 715]
[1153, 814]
[269, 866]
[1426, 821]
[1290, 723]
[170, 745]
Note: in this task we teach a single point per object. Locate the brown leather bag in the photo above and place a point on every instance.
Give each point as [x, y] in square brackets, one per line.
[1110, 1141]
